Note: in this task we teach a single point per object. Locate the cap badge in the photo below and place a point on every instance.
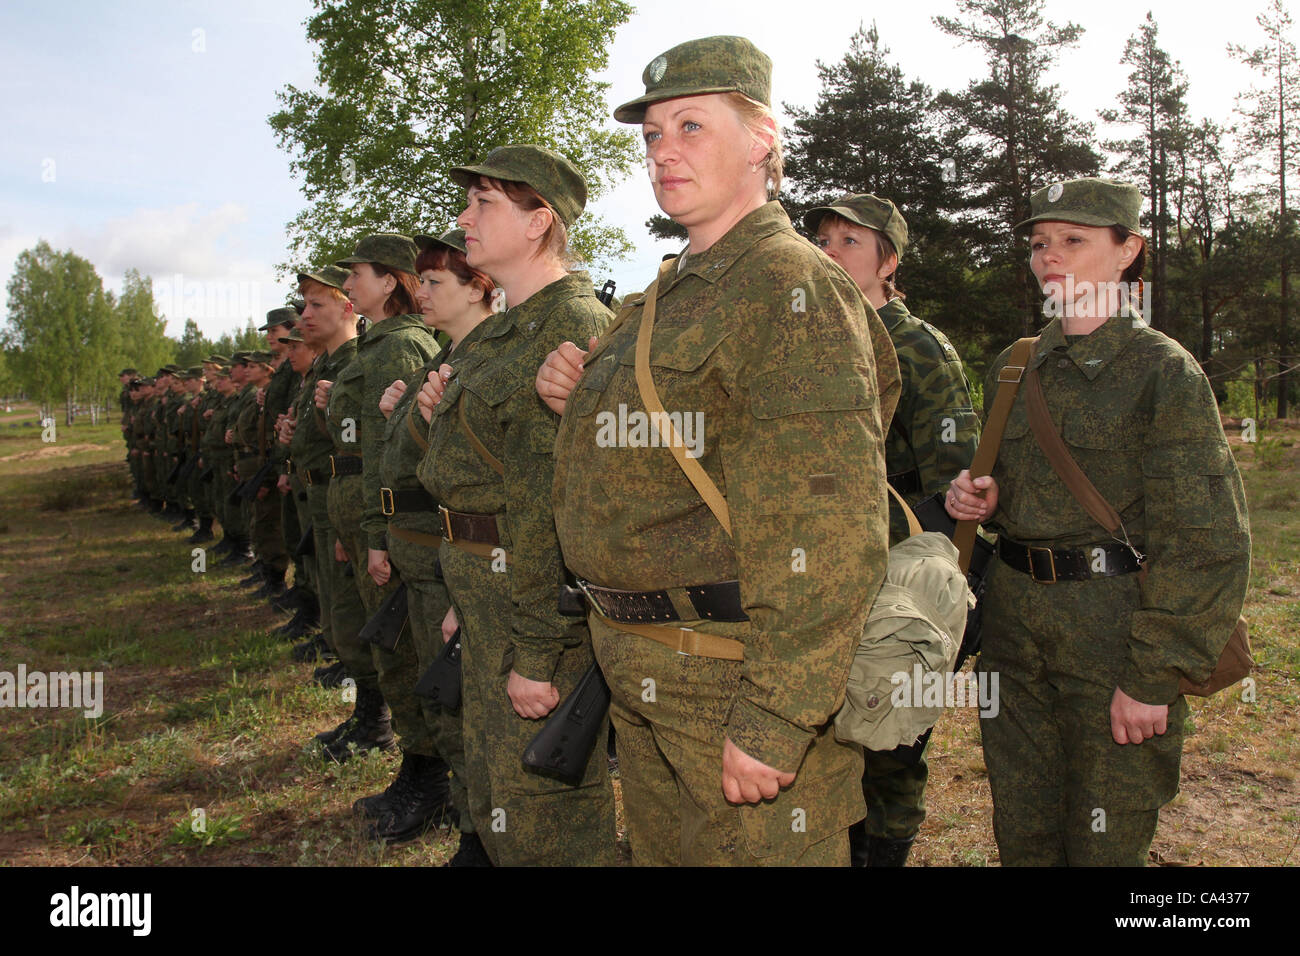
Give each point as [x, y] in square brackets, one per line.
[1054, 192]
[658, 67]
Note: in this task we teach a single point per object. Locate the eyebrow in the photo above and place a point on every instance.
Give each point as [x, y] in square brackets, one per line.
[675, 113]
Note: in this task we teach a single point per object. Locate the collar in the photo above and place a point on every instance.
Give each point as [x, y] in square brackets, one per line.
[377, 330]
[1094, 351]
[892, 312]
[530, 315]
[712, 264]
[336, 359]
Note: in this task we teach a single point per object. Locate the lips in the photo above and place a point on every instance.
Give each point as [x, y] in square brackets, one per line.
[671, 182]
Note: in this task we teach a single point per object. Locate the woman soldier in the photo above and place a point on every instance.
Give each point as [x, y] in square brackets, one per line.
[726, 609]
[1086, 743]
[490, 464]
[931, 438]
[455, 299]
[381, 286]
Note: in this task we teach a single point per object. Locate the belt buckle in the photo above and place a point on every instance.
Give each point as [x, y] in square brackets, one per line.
[307, 475]
[386, 503]
[333, 473]
[446, 524]
[1052, 561]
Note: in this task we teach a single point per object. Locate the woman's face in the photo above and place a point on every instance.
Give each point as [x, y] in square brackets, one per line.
[496, 230]
[300, 356]
[855, 249]
[322, 314]
[367, 290]
[1077, 266]
[698, 154]
[443, 299]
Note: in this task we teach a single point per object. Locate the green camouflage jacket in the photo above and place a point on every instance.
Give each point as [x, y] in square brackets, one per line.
[312, 445]
[787, 373]
[494, 389]
[1137, 414]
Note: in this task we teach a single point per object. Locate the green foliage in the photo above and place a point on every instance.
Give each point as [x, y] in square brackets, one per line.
[145, 344]
[1271, 453]
[407, 89]
[208, 831]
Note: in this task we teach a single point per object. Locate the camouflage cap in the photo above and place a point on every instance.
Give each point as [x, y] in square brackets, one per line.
[149, 381]
[453, 238]
[196, 371]
[866, 210]
[281, 316]
[709, 65]
[240, 358]
[293, 335]
[1087, 202]
[128, 371]
[168, 369]
[333, 276]
[135, 383]
[386, 248]
[216, 359]
[259, 358]
[555, 178]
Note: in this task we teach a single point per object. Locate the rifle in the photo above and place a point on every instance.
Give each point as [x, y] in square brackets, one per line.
[389, 622]
[441, 682]
[187, 469]
[934, 517]
[564, 745]
[207, 474]
[248, 490]
[606, 293]
[307, 543]
[176, 470]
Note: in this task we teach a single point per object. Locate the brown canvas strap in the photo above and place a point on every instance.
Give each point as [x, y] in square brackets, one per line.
[987, 453]
[478, 446]
[695, 472]
[913, 525]
[685, 641]
[420, 440]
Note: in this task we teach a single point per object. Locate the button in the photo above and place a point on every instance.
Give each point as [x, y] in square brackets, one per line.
[1064, 363]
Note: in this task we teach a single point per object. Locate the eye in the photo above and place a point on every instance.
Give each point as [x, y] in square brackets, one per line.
[849, 240]
[822, 242]
[1037, 244]
[1074, 239]
[651, 136]
[690, 126]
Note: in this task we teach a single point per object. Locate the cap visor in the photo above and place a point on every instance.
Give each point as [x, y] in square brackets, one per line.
[1078, 218]
[633, 111]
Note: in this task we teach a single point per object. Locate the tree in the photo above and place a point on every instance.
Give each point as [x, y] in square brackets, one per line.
[410, 88]
[194, 347]
[247, 339]
[1153, 102]
[145, 344]
[1271, 138]
[872, 130]
[1019, 137]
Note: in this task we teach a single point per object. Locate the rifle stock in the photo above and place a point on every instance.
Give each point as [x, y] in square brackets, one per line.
[441, 682]
[564, 745]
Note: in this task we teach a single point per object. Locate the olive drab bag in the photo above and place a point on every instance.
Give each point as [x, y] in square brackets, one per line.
[918, 615]
[1235, 662]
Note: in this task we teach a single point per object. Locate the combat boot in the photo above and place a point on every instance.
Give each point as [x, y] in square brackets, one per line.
[375, 806]
[470, 852]
[332, 675]
[223, 546]
[882, 851]
[257, 578]
[424, 801]
[272, 586]
[859, 848]
[310, 650]
[290, 600]
[204, 533]
[372, 731]
[238, 549]
[187, 521]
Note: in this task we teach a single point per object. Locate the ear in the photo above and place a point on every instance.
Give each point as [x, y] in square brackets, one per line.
[888, 267]
[762, 142]
[539, 220]
[475, 292]
[1132, 246]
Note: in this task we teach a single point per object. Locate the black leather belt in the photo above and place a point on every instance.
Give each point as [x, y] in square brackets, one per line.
[907, 482]
[712, 602]
[1047, 565]
[477, 529]
[406, 500]
[345, 465]
[315, 476]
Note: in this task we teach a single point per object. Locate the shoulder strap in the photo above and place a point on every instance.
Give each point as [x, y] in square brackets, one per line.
[1062, 462]
[412, 413]
[479, 447]
[913, 525]
[695, 472]
[987, 453]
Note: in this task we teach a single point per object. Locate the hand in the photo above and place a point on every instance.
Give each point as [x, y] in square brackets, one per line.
[1132, 721]
[560, 373]
[282, 484]
[531, 698]
[431, 391]
[971, 499]
[378, 566]
[449, 625]
[230, 436]
[284, 431]
[340, 555]
[746, 780]
[390, 397]
[208, 414]
[321, 397]
[263, 492]
[261, 396]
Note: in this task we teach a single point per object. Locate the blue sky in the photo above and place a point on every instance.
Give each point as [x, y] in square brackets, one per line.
[140, 143]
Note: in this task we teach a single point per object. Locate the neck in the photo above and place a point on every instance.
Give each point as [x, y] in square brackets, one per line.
[528, 278]
[345, 332]
[877, 298]
[466, 324]
[705, 234]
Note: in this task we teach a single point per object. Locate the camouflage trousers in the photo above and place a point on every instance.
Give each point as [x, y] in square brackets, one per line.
[895, 795]
[523, 818]
[669, 712]
[428, 601]
[395, 672]
[1064, 793]
[324, 564]
[293, 519]
[347, 605]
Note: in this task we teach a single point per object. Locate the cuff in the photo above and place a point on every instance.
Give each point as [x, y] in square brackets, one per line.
[377, 540]
[537, 660]
[766, 737]
[1155, 689]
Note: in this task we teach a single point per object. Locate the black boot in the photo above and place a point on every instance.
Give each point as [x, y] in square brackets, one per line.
[470, 852]
[223, 546]
[290, 600]
[372, 731]
[256, 578]
[187, 521]
[332, 675]
[273, 585]
[423, 801]
[310, 650]
[238, 549]
[883, 851]
[858, 850]
[204, 533]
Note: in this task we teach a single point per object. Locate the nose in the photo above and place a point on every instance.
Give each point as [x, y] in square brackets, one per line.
[463, 219]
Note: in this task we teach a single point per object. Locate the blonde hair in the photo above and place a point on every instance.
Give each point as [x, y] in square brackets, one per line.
[761, 123]
[309, 286]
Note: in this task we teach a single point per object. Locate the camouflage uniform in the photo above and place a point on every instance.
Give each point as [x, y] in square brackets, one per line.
[506, 597]
[253, 433]
[792, 403]
[280, 392]
[387, 350]
[1137, 414]
[217, 456]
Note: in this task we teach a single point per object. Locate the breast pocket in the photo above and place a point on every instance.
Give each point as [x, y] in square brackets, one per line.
[1107, 446]
[598, 370]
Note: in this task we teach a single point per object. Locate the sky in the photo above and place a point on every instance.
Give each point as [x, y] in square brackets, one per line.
[137, 135]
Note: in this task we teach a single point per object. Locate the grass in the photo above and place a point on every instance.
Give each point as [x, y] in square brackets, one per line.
[203, 710]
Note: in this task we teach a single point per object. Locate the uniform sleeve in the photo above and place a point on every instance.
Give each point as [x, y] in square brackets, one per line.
[1197, 542]
[803, 457]
[944, 428]
[402, 356]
